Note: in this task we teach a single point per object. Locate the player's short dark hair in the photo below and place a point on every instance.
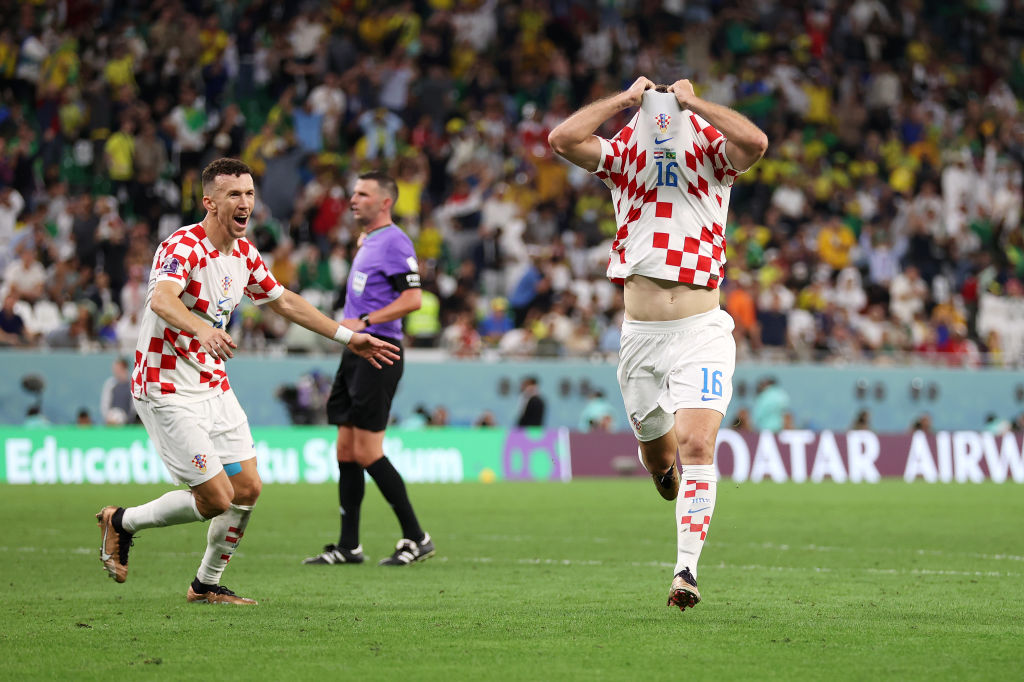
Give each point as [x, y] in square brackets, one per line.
[223, 166]
[384, 181]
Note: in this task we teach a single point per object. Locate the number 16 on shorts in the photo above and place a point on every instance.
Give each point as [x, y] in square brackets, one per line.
[712, 389]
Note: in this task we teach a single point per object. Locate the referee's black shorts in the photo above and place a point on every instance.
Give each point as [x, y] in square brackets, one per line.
[361, 394]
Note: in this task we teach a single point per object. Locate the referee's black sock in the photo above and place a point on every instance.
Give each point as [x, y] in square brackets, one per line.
[392, 488]
[351, 486]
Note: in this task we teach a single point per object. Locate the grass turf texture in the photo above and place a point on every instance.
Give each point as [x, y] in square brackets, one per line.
[532, 582]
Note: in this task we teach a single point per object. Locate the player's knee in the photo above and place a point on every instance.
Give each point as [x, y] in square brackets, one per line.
[215, 504]
[365, 457]
[248, 491]
[696, 446]
[346, 453]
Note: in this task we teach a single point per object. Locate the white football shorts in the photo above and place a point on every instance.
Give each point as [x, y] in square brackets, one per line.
[196, 440]
[667, 366]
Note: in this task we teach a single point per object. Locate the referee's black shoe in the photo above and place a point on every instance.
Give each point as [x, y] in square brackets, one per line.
[333, 554]
[407, 552]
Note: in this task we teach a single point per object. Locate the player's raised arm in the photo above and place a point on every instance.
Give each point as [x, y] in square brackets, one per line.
[573, 138]
[167, 304]
[294, 308]
[746, 142]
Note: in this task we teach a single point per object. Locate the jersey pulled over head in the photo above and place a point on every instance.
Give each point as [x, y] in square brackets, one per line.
[670, 181]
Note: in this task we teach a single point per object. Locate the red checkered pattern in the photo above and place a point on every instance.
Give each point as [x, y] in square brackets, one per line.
[695, 524]
[170, 365]
[672, 231]
[234, 537]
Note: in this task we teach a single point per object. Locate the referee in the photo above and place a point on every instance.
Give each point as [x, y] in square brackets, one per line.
[383, 287]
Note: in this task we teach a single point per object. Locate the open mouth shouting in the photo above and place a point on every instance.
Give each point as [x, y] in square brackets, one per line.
[241, 220]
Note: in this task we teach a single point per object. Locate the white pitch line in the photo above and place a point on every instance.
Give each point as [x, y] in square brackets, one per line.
[890, 550]
[548, 561]
[738, 567]
[490, 537]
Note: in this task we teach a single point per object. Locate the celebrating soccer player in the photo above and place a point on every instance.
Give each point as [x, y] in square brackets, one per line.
[181, 389]
[670, 172]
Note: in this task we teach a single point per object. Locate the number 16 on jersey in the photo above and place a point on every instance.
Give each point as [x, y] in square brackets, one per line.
[667, 173]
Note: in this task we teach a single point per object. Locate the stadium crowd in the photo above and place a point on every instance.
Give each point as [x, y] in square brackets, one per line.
[883, 224]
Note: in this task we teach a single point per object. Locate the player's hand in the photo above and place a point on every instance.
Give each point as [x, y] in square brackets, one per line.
[216, 342]
[635, 93]
[683, 90]
[373, 349]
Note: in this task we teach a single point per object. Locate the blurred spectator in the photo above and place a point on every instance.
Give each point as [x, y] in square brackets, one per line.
[24, 278]
[530, 411]
[862, 421]
[380, 134]
[423, 326]
[461, 339]
[532, 289]
[306, 398]
[12, 326]
[328, 101]
[186, 125]
[908, 293]
[739, 303]
[996, 425]
[922, 423]
[439, 417]
[598, 414]
[420, 418]
[771, 406]
[497, 322]
[741, 422]
[35, 419]
[485, 420]
[117, 406]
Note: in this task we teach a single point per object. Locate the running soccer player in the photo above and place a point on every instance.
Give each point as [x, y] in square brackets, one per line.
[670, 172]
[180, 387]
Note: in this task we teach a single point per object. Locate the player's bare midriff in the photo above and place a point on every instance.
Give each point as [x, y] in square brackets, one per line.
[656, 300]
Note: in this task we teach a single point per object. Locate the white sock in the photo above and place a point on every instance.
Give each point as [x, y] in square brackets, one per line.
[177, 506]
[222, 540]
[694, 507]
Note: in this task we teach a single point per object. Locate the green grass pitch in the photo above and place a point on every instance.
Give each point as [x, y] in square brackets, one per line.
[532, 582]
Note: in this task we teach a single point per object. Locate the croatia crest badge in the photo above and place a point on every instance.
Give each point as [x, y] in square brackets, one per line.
[199, 461]
[662, 121]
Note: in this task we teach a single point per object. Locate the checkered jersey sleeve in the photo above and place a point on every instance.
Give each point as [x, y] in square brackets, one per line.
[177, 257]
[262, 287]
[713, 143]
[611, 168]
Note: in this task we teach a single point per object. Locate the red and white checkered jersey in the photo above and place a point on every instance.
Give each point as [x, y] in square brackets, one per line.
[670, 180]
[170, 365]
